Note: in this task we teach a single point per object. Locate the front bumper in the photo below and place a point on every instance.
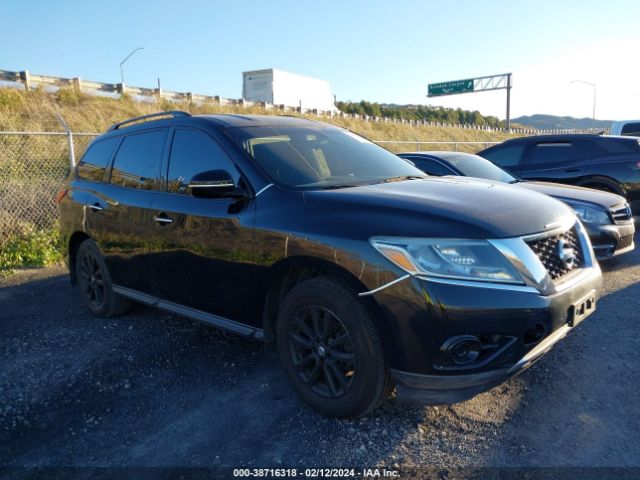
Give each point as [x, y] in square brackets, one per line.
[438, 389]
[454, 310]
[611, 240]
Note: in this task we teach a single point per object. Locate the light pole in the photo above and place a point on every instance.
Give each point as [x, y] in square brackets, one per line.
[127, 58]
[594, 96]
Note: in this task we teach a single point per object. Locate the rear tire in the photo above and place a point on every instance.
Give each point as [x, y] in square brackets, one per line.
[330, 349]
[95, 282]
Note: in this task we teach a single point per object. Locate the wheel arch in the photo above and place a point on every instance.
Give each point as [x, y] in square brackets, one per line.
[73, 244]
[291, 271]
[601, 180]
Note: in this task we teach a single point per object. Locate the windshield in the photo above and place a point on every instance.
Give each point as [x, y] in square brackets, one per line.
[475, 166]
[320, 157]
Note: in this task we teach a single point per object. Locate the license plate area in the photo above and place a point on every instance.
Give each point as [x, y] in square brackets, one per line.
[582, 309]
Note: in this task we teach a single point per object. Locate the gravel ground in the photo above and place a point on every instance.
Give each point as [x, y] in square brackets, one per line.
[150, 389]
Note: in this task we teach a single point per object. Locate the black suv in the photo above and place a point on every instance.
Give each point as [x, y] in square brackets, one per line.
[359, 269]
[602, 162]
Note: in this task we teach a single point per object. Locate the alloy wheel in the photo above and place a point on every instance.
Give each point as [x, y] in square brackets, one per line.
[322, 351]
[92, 279]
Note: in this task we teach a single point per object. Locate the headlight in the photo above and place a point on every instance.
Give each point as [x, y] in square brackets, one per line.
[589, 214]
[450, 258]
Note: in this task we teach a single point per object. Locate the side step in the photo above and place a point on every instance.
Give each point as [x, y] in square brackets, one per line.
[191, 313]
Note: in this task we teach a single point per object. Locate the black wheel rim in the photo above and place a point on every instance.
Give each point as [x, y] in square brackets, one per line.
[322, 351]
[92, 279]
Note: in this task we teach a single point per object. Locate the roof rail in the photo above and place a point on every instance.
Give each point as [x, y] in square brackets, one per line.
[172, 113]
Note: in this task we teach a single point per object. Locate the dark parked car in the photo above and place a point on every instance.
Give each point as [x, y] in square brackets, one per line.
[359, 269]
[602, 162]
[626, 127]
[606, 216]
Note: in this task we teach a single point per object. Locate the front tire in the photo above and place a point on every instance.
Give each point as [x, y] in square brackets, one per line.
[95, 282]
[330, 349]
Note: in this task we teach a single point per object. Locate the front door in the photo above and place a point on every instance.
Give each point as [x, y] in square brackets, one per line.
[203, 246]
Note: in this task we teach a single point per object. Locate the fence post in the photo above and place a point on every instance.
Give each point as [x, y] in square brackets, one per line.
[25, 78]
[72, 153]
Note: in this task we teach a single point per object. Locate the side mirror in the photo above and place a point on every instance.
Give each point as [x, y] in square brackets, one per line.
[212, 184]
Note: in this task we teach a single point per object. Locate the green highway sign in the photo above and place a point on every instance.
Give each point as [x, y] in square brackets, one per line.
[450, 88]
[478, 84]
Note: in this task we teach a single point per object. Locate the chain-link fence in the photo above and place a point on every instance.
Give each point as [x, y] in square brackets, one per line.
[33, 166]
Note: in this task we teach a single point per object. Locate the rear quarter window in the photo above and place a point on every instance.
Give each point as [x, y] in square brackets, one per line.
[95, 160]
[505, 156]
[431, 167]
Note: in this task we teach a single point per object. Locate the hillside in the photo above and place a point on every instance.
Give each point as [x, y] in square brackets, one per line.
[543, 122]
[36, 111]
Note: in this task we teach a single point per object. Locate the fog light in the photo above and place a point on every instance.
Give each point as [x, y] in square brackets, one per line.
[534, 334]
[463, 349]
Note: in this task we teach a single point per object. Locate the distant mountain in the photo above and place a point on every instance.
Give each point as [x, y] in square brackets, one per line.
[546, 122]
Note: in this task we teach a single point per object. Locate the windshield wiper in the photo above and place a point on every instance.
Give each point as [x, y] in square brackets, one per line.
[336, 187]
[402, 178]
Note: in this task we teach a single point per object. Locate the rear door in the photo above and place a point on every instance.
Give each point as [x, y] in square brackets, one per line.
[203, 246]
[559, 160]
[120, 221]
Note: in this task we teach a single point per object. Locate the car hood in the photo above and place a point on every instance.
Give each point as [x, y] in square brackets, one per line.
[570, 192]
[453, 207]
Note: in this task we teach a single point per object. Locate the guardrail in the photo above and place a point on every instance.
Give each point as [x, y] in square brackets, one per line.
[27, 80]
[469, 147]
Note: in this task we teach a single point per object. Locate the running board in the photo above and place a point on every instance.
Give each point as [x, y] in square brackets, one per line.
[191, 313]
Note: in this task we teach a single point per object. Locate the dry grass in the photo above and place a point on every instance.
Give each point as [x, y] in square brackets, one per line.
[26, 234]
[35, 111]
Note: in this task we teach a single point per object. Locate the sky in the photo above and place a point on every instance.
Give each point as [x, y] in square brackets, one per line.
[380, 51]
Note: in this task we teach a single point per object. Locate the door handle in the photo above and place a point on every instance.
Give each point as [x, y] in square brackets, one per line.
[162, 219]
[96, 207]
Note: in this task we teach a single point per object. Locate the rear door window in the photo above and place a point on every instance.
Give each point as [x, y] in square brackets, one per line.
[194, 152]
[137, 162]
[506, 156]
[95, 160]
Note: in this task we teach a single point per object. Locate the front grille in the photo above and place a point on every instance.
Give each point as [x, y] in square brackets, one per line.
[548, 250]
[624, 242]
[621, 213]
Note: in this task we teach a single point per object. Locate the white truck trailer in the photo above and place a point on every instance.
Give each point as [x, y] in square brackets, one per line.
[284, 88]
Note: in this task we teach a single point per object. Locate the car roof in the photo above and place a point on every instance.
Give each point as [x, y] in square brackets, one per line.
[220, 120]
[233, 120]
[562, 137]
